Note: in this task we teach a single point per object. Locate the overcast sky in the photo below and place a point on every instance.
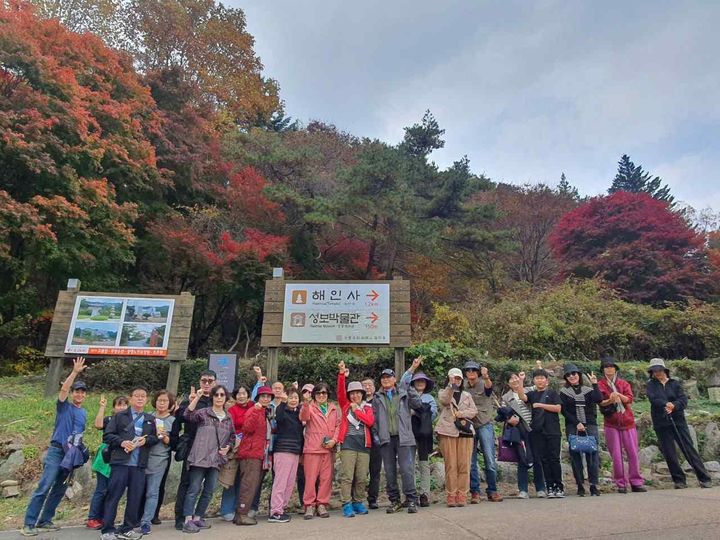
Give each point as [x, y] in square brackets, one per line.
[527, 89]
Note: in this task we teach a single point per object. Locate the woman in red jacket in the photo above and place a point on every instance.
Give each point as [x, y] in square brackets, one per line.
[356, 420]
[620, 430]
[237, 412]
[253, 454]
[322, 429]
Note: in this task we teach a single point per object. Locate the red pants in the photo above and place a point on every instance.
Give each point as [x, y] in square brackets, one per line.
[318, 466]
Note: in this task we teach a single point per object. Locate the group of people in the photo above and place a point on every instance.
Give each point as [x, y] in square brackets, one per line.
[295, 434]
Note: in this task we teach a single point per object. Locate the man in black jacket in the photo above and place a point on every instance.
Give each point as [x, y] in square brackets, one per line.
[129, 434]
[208, 379]
[667, 408]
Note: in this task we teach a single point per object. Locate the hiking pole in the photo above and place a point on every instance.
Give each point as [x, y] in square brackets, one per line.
[680, 441]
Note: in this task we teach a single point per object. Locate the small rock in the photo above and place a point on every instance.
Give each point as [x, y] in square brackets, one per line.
[693, 436]
[691, 388]
[648, 455]
[74, 492]
[686, 467]
[10, 467]
[661, 468]
[714, 394]
[711, 447]
[10, 491]
[8, 483]
[712, 466]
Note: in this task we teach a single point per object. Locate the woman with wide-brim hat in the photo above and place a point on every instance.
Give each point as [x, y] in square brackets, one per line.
[356, 420]
[667, 409]
[422, 426]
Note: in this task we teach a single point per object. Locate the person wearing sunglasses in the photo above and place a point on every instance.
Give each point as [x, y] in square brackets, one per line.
[184, 433]
[214, 436]
[322, 427]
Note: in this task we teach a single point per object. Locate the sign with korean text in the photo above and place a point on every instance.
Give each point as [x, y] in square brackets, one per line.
[120, 326]
[333, 313]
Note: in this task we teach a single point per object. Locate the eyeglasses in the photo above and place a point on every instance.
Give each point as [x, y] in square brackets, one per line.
[306, 392]
[321, 393]
[207, 381]
[219, 395]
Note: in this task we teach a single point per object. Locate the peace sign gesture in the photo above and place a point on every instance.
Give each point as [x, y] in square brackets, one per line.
[592, 377]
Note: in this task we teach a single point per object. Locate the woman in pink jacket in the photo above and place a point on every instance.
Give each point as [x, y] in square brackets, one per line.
[322, 426]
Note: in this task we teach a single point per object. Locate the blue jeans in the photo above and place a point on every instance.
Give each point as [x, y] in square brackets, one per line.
[230, 496]
[201, 479]
[50, 490]
[538, 477]
[485, 439]
[97, 504]
[152, 494]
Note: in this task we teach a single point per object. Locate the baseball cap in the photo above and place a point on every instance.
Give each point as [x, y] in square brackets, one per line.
[387, 373]
[79, 385]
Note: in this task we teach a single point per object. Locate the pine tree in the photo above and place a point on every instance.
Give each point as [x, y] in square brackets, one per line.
[634, 179]
[566, 189]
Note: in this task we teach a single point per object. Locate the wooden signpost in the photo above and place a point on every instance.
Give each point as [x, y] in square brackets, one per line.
[335, 314]
[143, 337]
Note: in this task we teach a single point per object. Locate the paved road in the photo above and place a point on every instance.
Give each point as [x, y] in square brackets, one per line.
[658, 515]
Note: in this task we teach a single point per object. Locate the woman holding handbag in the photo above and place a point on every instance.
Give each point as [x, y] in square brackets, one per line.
[455, 437]
[579, 407]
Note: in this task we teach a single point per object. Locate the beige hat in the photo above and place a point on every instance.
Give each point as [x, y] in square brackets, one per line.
[455, 372]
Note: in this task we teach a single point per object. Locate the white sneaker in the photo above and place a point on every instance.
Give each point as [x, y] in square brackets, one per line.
[108, 536]
[559, 494]
[541, 495]
[523, 495]
[551, 494]
[228, 517]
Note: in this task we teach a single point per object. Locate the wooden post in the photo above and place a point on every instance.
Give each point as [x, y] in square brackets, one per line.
[173, 378]
[271, 368]
[52, 383]
[399, 362]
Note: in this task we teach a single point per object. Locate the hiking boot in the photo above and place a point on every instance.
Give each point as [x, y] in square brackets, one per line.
[48, 526]
[322, 511]
[373, 505]
[405, 503]
[95, 524]
[581, 491]
[638, 489]
[475, 498]
[623, 490]
[411, 507]
[309, 512]
[706, 484]
[594, 491]
[495, 497]
[680, 485]
[179, 525]
[202, 524]
[394, 507]
[451, 501]
[155, 521]
[28, 530]
[424, 501]
[244, 520]
[359, 508]
[190, 527]
[348, 510]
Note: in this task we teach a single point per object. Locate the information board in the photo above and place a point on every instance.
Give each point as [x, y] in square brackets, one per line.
[335, 313]
[225, 367]
[120, 326]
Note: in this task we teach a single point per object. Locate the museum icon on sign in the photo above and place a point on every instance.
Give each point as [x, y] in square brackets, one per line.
[299, 297]
[297, 320]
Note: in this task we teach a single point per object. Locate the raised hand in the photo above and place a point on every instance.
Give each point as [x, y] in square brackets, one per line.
[417, 363]
[103, 401]
[193, 394]
[79, 365]
[341, 367]
[521, 376]
[484, 372]
[593, 378]
[258, 372]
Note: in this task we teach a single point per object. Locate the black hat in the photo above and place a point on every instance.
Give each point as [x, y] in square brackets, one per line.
[79, 385]
[420, 376]
[387, 373]
[471, 365]
[539, 372]
[570, 368]
[608, 361]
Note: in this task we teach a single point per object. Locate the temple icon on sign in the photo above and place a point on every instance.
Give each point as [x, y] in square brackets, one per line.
[299, 297]
[297, 320]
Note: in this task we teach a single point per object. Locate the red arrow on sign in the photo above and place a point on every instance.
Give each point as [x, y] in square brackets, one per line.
[373, 295]
[373, 317]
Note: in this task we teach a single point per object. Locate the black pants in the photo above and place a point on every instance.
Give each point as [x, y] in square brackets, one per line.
[123, 477]
[181, 493]
[300, 482]
[424, 447]
[373, 489]
[592, 460]
[546, 448]
[667, 437]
